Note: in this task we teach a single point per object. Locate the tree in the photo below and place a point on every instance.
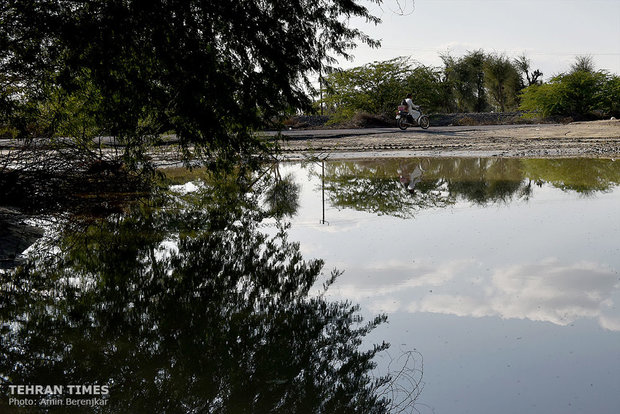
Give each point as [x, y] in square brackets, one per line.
[611, 95]
[502, 80]
[381, 186]
[428, 88]
[375, 88]
[466, 77]
[523, 64]
[475, 61]
[578, 94]
[211, 71]
[583, 64]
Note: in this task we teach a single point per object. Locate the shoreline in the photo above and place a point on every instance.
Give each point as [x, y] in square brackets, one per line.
[593, 139]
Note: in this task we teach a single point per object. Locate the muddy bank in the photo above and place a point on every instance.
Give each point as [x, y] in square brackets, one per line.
[577, 139]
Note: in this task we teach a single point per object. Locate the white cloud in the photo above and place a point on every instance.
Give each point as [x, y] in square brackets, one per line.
[393, 277]
[610, 322]
[384, 306]
[452, 305]
[547, 291]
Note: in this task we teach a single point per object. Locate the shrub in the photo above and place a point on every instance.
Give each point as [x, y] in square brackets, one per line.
[580, 94]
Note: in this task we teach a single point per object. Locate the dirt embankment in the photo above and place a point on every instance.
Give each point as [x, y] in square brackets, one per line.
[577, 139]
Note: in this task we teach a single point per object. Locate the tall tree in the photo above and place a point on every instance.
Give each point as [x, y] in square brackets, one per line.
[583, 64]
[523, 64]
[374, 88]
[209, 70]
[429, 89]
[502, 80]
[226, 321]
[466, 76]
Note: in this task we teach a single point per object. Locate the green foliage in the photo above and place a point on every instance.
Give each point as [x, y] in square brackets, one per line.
[465, 76]
[502, 80]
[374, 88]
[610, 95]
[211, 71]
[577, 94]
[377, 88]
[428, 88]
[475, 82]
[583, 175]
[384, 186]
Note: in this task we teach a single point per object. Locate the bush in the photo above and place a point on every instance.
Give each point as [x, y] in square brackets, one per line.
[580, 94]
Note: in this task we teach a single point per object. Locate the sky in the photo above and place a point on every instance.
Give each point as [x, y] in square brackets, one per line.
[549, 32]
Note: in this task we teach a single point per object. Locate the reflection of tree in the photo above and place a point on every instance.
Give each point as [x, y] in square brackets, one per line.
[373, 185]
[484, 180]
[185, 308]
[583, 175]
[281, 194]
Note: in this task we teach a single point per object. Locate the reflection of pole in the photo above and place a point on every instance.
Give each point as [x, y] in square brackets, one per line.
[323, 188]
[315, 160]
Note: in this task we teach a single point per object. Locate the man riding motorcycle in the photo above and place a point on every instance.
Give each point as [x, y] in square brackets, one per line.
[410, 114]
[409, 102]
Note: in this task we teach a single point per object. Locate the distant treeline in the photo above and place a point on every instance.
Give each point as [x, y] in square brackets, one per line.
[475, 82]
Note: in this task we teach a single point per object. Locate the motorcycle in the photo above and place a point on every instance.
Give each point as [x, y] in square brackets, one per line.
[404, 119]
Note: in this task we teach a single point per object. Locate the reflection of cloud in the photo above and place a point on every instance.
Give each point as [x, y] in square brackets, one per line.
[546, 291]
[390, 277]
[451, 304]
[610, 322]
[384, 306]
[186, 188]
[552, 292]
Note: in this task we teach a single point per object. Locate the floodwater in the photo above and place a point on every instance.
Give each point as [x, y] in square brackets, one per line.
[499, 279]
[502, 273]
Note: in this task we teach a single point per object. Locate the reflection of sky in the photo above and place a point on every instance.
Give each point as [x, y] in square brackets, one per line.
[537, 282]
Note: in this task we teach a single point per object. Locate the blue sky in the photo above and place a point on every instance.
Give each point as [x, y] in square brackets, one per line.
[550, 32]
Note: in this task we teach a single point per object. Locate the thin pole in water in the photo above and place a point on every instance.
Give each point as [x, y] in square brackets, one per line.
[323, 188]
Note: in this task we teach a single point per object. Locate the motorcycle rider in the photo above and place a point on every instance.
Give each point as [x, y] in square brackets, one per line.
[413, 115]
[411, 107]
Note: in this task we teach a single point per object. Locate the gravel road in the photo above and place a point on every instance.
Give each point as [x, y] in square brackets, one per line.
[599, 139]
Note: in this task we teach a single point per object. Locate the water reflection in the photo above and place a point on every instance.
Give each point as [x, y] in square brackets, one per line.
[532, 260]
[187, 302]
[401, 187]
[503, 273]
[548, 291]
[182, 304]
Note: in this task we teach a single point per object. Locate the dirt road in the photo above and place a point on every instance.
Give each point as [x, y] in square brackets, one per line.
[599, 139]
